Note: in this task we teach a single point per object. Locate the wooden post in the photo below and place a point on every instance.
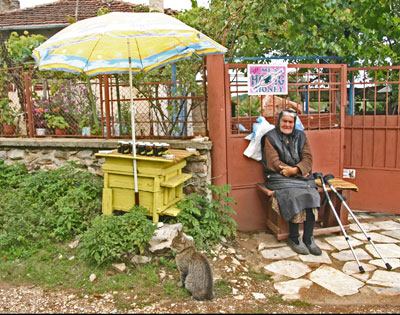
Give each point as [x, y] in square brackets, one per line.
[217, 119]
[29, 105]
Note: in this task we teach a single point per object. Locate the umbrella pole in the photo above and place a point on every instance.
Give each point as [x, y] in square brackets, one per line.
[133, 127]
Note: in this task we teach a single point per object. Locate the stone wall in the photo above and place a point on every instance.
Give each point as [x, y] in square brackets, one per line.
[52, 153]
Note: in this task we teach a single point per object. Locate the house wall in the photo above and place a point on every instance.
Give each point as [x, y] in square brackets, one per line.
[6, 5]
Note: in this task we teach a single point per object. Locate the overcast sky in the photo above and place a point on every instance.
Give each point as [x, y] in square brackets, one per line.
[173, 4]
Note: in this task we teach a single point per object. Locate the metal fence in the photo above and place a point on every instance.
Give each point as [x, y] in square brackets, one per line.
[313, 92]
[65, 105]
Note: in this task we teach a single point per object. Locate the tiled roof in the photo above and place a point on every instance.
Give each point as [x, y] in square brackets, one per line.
[56, 13]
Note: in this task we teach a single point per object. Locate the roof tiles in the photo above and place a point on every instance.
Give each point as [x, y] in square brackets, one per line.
[57, 12]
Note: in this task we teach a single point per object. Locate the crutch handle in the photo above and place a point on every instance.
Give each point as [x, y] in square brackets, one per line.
[318, 175]
[327, 177]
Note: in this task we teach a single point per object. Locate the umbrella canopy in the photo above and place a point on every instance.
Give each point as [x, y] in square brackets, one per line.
[123, 42]
[99, 45]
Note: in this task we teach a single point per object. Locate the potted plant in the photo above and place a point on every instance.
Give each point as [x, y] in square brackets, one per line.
[58, 123]
[8, 116]
[85, 125]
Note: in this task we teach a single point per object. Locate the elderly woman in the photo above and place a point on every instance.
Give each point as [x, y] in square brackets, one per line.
[287, 161]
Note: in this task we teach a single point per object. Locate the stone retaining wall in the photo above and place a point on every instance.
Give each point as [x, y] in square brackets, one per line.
[52, 153]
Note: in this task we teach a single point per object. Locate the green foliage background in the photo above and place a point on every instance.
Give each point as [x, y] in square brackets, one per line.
[365, 32]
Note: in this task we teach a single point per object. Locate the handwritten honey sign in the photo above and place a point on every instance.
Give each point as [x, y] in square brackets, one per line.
[267, 79]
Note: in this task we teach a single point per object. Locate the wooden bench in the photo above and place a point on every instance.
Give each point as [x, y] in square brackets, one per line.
[326, 222]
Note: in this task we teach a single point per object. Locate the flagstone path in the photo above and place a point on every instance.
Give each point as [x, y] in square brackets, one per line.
[337, 270]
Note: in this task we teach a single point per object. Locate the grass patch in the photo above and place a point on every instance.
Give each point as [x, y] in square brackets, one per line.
[222, 288]
[171, 289]
[300, 303]
[259, 276]
[276, 299]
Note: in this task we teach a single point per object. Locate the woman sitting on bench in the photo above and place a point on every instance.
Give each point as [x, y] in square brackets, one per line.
[287, 160]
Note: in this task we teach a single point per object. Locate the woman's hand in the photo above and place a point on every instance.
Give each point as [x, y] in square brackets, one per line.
[288, 170]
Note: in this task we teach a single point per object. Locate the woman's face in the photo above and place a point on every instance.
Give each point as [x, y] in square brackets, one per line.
[287, 124]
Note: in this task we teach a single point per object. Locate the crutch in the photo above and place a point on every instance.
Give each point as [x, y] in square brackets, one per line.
[327, 177]
[319, 175]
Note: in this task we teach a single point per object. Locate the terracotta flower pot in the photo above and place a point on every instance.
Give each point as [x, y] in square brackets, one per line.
[60, 132]
[9, 129]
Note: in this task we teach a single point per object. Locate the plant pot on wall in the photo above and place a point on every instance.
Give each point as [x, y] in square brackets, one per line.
[60, 131]
[85, 131]
[40, 131]
[9, 129]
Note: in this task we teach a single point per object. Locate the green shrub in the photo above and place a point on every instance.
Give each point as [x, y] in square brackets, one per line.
[11, 175]
[207, 221]
[111, 236]
[44, 206]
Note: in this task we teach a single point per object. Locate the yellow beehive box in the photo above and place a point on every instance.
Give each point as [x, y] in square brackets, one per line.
[160, 183]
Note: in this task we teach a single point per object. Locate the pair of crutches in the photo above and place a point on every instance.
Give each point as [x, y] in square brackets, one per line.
[326, 179]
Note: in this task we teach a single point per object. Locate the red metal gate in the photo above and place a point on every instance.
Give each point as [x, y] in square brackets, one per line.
[337, 133]
[372, 137]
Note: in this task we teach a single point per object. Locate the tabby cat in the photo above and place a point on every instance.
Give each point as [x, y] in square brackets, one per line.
[195, 271]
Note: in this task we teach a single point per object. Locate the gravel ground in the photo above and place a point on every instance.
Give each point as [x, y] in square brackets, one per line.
[248, 294]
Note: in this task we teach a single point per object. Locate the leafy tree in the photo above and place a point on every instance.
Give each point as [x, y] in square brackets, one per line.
[19, 48]
[15, 52]
[365, 32]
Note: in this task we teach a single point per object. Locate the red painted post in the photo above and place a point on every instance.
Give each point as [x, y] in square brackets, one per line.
[216, 118]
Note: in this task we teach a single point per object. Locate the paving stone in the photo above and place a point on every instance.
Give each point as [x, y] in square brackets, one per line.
[387, 225]
[386, 250]
[290, 289]
[351, 267]
[278, 253]
[375, 237]
[323, 245]
[263, 237]
[348, 255]
[362, 276]
[392, 233]
[335, 281]
[385, 279]
[361, 215]
[339, 242]
[385, 291]
[394, 263]
[381, 214]
[323, 259]
[367, 227]
[267, 241]
[291, 269]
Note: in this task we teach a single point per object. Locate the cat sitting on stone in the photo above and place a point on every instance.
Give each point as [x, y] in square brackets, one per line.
[195, 271]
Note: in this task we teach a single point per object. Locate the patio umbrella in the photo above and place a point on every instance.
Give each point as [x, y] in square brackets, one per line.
[121, 42]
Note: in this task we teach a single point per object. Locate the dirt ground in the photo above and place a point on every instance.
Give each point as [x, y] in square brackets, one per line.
[237, 265]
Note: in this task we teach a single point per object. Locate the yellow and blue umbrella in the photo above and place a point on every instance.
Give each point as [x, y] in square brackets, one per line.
[123, 42]
[104, 44]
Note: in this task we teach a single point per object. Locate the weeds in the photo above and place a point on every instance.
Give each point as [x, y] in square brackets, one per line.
[110, 237]
[45, 206]
[41, 211]
[207, 221]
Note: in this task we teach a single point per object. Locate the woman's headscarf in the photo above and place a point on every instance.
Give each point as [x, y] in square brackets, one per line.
[290, 151]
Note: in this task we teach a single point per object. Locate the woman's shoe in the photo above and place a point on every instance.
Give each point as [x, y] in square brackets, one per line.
[313, 248]
[300, 248]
